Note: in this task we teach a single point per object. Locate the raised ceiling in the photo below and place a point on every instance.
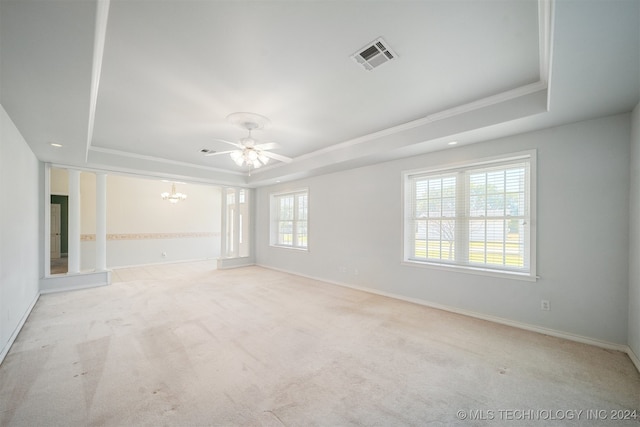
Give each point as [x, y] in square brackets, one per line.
[145, 85]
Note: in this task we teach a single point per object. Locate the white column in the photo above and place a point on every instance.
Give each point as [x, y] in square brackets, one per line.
[236, 223]
[74, 221]
[101, 221]
[223, 223]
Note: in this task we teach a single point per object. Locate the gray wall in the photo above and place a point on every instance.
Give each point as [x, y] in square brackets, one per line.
[20, 252]
[634, 233]
[356, 233]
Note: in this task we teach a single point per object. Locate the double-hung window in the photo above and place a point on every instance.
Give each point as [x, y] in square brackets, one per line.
[478, 216]
[289, 219]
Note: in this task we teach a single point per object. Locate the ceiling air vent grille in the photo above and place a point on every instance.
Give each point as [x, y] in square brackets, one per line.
[374, 54]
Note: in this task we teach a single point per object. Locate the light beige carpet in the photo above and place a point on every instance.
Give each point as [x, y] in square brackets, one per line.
[59, 265]
[184, 345]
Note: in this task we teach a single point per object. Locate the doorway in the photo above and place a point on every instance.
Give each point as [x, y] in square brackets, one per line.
[55, 230]
[59, 230]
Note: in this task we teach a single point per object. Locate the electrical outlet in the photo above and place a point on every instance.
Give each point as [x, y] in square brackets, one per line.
[544, 305]
[164, 254]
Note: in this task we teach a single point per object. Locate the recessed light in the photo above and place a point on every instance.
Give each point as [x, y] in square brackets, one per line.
[452, 142]
[55, 144]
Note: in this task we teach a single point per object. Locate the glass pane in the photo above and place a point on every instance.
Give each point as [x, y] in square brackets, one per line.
[434, 234]
[495, 182]
[286, 208]
[495, 242]
[476, 241]
[477, 205]
[421, 230]
[285, 233]
[495, 204]
[421, 189]
[435, 188]
[449, 206]
[477, 184]
[435, 207]
[421, 209]
[302, 206]
[449, 186]
[448, 237]
[514, 245]
[301, 234]
[514, 204]
[514, 180]
[420, 240]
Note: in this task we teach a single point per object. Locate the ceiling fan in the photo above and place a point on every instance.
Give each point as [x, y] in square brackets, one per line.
[248, 151]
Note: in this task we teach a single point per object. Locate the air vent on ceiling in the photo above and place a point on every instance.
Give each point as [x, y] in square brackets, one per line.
[374, 54]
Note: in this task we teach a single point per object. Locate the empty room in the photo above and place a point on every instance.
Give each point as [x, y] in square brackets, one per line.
[329, 213]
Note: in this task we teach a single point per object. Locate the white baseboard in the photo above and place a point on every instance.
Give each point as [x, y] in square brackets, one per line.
[152, 264]
[18, 328]
[528, 327]
[634, 358]
[227, 263]
[74, 281]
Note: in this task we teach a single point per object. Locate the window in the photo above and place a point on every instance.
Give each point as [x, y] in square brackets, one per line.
[289, 219]
[477, 216]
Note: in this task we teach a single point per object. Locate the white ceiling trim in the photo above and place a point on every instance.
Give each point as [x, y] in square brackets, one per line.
[442, 115]
[102, 16]
[163, 160]
[137, 174]
[545, 37]
[411, 142]
[546, 23]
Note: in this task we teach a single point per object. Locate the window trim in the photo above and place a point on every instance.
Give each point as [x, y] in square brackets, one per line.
[531, 275]
[274, 219]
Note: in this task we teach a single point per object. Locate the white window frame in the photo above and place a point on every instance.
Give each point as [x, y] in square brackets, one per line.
[296, 220]
[463, 218]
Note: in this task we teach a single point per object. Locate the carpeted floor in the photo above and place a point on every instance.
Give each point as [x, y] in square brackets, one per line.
[184, 345]
[59, 265]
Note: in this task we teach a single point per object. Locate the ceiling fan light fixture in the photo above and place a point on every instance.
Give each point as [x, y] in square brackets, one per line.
[264, 159]
[248, 141]
[237, 157]
[249, 152]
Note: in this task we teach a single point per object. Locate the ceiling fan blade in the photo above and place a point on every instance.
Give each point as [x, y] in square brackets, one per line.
[235, 144]
[278, 157]
[215, 153]
[268, 146]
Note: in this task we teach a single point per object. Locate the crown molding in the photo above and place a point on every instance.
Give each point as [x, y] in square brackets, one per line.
[546, 24]
[102, 16]
[441, 115]
[162, 160]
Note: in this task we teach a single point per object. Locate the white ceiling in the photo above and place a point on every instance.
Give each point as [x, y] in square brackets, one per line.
[144, 85]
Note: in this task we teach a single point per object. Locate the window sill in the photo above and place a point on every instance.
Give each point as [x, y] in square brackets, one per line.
[293, 248]
[528, 277]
